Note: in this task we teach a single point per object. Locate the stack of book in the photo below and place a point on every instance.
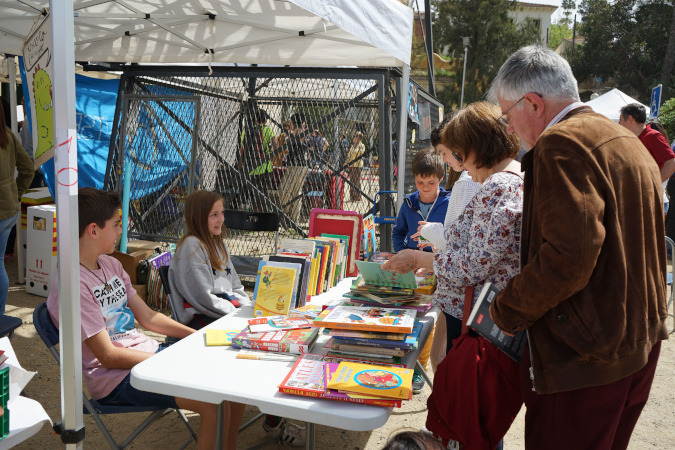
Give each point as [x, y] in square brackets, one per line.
[279, 334]
[321, 376]
[372, 333]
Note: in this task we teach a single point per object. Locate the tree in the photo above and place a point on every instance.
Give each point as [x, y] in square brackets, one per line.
[493, 35]
[625, 43]
[667, 117]
[558, 32]
[568, 6]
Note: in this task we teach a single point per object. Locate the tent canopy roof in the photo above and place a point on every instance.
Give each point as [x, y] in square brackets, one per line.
[283, 32]
[610, 103]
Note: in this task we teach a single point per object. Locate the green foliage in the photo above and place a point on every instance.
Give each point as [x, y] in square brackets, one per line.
[558, 32]
[667, 117]
[493, 35]
[625, 41]
[567, 6]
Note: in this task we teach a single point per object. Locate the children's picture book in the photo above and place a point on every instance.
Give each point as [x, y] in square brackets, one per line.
[382, 381]
[365, 318]
[344, 256]
[366, 335]
[479, 320]
[373, 274]
[307, 377]
[334, 394]
[273, 294]
[347, 223]
[299, 246]
[291, 341]
[277, 323]
[369, 242]
[219, 337]
[304, 272]
[295, 266]
[359, 284]
[310, 311]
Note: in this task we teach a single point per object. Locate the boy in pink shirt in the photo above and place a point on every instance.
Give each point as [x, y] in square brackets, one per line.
[111, 344]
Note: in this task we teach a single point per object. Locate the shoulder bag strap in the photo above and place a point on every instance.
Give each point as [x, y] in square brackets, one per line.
[468, 304]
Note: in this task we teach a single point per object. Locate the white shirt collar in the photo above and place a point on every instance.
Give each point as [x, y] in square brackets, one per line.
[562, 113]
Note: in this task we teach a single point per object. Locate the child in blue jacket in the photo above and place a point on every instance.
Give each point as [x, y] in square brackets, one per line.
[429, 203]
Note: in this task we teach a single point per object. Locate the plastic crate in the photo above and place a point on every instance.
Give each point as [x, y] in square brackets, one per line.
[4, 398]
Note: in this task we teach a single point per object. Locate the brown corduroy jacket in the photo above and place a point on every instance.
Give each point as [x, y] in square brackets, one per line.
[13, 156]
[592, 289]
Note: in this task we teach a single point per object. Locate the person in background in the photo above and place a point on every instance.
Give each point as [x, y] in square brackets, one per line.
[633, 117]
[355, 166]
[111, 343]
[12, 157]
[482, 246]
[412, 440]
[296, 168]
[591, 291]
[203, 282]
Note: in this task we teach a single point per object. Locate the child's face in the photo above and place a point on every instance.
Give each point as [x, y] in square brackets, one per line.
[428, 187]
[216, 218]
[109, 234]
[448, 158]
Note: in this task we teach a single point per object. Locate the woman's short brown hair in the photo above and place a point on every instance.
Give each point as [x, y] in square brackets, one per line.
[476, 130]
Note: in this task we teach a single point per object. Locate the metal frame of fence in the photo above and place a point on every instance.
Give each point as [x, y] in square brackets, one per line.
[248, 133]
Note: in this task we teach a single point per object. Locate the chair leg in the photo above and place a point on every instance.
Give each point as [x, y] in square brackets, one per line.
[146, 423]
[101, 426]
[187, 424]
[421, 370]
[250, 422]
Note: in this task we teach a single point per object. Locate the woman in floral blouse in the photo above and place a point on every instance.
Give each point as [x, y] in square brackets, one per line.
[483, 243]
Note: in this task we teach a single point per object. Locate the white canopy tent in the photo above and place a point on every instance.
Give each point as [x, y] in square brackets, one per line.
[280, 32]
[610, 103]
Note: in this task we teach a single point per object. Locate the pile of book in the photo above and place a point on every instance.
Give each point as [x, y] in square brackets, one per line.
[375, 286]
[348, 380]
[279, 334]
[372, 333]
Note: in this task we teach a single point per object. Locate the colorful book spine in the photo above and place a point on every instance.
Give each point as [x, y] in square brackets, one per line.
[335, 344]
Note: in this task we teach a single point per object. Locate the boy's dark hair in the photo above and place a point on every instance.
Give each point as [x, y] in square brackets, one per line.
[660, 128]
[437, 131]
[96, 206]
[428, 162]
[412, 440]
[636, 111]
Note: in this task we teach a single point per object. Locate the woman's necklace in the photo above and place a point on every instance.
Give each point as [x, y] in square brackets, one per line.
[106, 286]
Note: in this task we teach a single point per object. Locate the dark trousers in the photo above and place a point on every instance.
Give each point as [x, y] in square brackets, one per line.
[598, 418]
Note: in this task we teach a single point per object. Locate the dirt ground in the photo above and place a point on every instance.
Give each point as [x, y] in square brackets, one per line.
[655, 429]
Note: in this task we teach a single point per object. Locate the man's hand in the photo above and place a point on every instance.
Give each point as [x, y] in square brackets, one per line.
[402, 262]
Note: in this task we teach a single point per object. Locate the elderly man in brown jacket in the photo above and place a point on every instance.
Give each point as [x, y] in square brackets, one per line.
[592, 290]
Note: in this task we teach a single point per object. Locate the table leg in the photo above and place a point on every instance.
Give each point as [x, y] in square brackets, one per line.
[419, 367]
[309, 436]
[220, 430]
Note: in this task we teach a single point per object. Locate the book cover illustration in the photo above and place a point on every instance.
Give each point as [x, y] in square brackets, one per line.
[390, 382]
[295, 266]
[369, 242]
[479, 320]
[334, 394]
[408, 341]
[219, 337]
[346, 346]
[372, 273]
[309, 311]
[291, 341]
[274, 293]
[369, 319]
[277, 323]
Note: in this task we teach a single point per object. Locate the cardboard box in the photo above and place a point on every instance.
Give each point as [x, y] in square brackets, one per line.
[142, 291]
[33, 197]
[138, 245]
[130, 262]
[41, 249]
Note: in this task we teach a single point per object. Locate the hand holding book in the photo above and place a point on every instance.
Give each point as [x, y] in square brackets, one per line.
[408, 260]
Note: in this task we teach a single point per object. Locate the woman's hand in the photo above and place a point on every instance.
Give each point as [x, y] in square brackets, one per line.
[421, 242]
[401, 262]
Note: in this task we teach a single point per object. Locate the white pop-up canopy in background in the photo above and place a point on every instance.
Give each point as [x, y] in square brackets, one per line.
[280, 32]
[610, 103]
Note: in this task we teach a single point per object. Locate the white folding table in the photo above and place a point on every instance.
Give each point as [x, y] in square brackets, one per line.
[190, 369]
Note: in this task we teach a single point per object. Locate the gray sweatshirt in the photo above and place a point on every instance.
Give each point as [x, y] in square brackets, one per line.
[193, 280]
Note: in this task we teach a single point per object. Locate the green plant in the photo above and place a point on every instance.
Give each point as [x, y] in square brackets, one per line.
[667, 117]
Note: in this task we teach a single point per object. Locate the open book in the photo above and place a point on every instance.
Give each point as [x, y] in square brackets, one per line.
[479, 320]
[373, 274]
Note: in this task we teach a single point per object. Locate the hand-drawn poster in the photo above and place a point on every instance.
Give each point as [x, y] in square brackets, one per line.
[37, 61]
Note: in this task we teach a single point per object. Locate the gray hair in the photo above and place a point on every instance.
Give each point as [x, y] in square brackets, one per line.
[534, 69]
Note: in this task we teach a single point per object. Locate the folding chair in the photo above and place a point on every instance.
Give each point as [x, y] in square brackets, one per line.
[247, 266]
[50, 336]
[670, 248]
[8, 324]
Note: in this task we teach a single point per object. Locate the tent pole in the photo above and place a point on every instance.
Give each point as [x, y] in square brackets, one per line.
[66, 184]
[402, 111]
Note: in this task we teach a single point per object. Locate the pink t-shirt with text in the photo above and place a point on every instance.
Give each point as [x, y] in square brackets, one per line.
[101, 310]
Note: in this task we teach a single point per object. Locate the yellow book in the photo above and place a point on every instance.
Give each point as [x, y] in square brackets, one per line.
[219, 337]
[312, 274]
[368, 379]
[273, 293]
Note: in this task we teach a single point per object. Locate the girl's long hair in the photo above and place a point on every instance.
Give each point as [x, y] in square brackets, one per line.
[197, 208]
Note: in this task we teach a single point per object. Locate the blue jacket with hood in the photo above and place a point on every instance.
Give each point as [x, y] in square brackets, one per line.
[409, 215]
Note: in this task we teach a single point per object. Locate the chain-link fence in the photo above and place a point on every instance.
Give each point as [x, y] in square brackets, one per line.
[268, 139]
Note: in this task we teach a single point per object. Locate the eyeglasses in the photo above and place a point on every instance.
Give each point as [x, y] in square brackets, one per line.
[458, 157]
[504, 119]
